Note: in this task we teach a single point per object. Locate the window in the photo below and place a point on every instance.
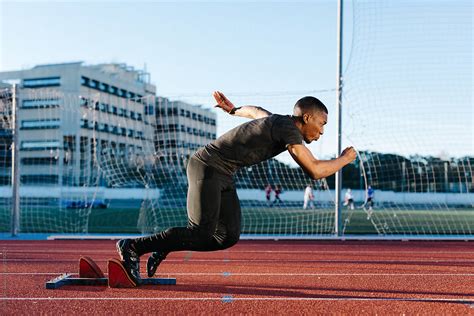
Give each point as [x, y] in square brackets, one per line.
[120, 112]
[182, 112]
[40, 124]
[103, 107]
[84, 123]
[39, 145]
[39, 178]
[139, 116]
[112, 89]
[39, 161]
[102, 87]
[194, 116]
[132, 115]
[199, 117]
[130, 133]
[93, 83]
[42, 82]
[114, 109]
[34, 104]
[188, 114]
[84, 81]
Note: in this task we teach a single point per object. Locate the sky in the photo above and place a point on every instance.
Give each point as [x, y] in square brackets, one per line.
[270, 54]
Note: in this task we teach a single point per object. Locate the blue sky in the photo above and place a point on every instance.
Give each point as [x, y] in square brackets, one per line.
[271, 54]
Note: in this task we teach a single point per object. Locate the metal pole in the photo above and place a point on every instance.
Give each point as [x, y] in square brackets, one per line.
[15, 215]
[338, 209]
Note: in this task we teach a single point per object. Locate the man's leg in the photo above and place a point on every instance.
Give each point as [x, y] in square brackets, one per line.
[228, 228]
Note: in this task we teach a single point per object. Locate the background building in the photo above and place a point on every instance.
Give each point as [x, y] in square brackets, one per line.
[70, 113]
[181, 128]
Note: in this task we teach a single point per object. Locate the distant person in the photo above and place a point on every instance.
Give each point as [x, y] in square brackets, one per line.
[213, 207]
[369, 201]
[308, 197]
[277, 195]
[349, 199]
[268, 194]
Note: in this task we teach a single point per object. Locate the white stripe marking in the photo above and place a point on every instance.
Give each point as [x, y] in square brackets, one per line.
[424, 299]
[268, 274]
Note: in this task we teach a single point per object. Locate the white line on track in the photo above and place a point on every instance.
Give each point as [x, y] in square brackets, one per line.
[392, 252]
[268, 274]
[356, 260]
[231, 299]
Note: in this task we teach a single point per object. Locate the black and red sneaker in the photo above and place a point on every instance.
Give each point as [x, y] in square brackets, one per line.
[130, 259]
[153, 262]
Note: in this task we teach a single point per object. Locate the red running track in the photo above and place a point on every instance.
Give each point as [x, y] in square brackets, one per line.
[253, 277]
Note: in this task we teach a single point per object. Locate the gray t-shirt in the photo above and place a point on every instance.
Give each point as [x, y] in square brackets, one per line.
[250, 143]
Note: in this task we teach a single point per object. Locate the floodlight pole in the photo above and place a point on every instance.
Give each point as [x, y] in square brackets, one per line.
[15, 213]
[339, 85]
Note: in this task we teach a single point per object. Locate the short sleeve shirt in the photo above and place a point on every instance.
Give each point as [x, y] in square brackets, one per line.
[251, 143]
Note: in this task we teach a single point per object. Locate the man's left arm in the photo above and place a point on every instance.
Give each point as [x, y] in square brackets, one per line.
[247, 111]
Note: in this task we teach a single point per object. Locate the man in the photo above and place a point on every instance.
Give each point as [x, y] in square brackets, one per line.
[349, 199]
[369, 201]
[308, 197]
[268, 194]
[277, 195]
[213, 207]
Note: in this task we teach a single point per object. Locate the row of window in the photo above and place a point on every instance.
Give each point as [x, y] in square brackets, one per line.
[34, 161]
[111, 109]
[39, 145]
[42, 82]
[112, 129]
[40, 124]
[97, 85]
[185, 113]
[40, 103]
[184, 129]
[173, 143]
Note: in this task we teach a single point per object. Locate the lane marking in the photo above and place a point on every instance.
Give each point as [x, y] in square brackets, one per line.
[383, 299]
[227, 274]
[392, 252]
[355, 260]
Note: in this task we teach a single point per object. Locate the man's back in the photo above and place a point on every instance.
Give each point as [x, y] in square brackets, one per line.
[250, 143]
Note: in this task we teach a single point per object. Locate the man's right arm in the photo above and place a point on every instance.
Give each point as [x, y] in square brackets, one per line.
[247, 111]
[318, 169]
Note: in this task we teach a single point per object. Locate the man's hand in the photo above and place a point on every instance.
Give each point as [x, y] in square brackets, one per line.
[349, 154]
[223, 102]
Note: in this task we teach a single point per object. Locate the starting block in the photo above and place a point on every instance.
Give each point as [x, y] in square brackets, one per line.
[90, 274]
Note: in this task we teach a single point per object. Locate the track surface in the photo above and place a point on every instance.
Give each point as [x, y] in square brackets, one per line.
[253, 277]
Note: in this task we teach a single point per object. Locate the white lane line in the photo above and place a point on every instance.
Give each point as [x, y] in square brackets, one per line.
[355, 260]
[332, 251]
[383, 299]
[267, 274]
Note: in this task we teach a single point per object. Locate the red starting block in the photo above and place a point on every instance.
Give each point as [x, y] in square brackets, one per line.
[90, 274]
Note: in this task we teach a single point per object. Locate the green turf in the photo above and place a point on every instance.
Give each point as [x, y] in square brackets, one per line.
[254, 221]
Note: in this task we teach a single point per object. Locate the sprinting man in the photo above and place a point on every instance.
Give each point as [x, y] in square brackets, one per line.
[308, 197]
[213, 208]
[349, 199]
[268, 194]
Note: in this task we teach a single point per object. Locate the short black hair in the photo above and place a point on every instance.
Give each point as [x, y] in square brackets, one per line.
[308, 104]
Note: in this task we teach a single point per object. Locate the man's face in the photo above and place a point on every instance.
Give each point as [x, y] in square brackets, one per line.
[314, 125]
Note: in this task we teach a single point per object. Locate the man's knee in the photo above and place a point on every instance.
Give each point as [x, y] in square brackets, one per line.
[230, 239]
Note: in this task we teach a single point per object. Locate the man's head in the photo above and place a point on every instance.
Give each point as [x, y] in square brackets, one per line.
[312, 115]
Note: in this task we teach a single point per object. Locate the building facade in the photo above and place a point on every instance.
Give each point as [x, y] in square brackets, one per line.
[73, 117]
[181, 128]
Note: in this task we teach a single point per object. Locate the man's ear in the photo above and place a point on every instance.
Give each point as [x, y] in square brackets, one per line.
[306, 118]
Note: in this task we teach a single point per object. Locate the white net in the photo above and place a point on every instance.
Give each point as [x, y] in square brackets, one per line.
[89, 164]
[408, 109]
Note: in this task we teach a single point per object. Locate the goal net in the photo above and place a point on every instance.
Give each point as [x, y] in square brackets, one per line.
[407, 102]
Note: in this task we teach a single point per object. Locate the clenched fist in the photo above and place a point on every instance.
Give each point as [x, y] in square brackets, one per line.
[349, 154]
